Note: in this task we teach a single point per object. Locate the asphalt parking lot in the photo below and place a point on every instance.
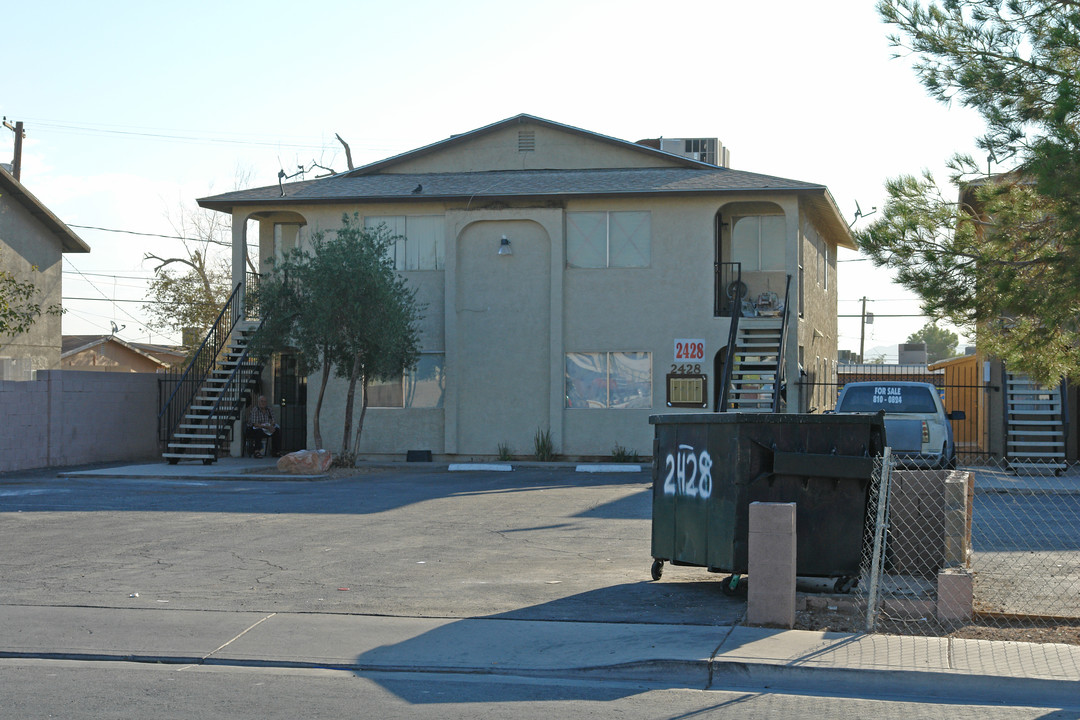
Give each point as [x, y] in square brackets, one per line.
[531, 544]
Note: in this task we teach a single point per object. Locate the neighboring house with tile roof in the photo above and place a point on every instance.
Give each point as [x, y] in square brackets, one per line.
[108, 353]
[32, 236]
[563, 273]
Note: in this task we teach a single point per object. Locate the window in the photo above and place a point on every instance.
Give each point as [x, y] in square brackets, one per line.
[609, 380]
[890, 398]
[422, 387]
[420, 243]
[608, 239]
[759, 242]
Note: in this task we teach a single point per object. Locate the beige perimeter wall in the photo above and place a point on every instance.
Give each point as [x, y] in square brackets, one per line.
[69, 417]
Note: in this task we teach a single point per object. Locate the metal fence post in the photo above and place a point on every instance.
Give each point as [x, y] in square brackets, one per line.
[879, 539]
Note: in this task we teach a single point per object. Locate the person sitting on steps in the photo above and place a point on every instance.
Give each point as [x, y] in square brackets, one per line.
[260, 425]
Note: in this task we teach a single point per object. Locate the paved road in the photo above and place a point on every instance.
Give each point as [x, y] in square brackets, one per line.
[545, 545]
[532, 544]
[31, 688]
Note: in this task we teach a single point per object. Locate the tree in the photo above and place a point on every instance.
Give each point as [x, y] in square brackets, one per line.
[1004, 259]
[190, 287]
[18, 306]
[343, 306]
[940, 343]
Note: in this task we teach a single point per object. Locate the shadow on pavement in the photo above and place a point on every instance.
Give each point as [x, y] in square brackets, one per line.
[652, 624]
[363, 494]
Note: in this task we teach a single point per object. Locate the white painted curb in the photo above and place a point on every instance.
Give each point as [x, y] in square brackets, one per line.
[459, 467]
[621, 467]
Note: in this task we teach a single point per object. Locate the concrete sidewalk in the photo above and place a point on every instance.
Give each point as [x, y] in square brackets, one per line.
[247, 468]
[691, 656]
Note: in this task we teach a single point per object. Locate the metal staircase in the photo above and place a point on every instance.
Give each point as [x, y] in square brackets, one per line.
[755, 360]
[756, 365]
[206, 400]
[1035, 431]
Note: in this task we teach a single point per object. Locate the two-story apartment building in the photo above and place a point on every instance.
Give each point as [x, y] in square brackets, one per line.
[32, 243]
[574, 283]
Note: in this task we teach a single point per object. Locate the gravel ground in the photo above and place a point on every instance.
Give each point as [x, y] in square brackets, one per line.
[837, 614]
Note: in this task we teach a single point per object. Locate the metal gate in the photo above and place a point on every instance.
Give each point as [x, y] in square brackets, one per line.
[959, 382]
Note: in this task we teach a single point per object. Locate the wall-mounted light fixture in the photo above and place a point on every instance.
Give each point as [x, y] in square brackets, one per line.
[504, 246]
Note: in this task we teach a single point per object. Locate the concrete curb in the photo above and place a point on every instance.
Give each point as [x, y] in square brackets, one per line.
[703, 674]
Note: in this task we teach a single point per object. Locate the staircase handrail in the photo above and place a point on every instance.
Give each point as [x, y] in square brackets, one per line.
[733, 331]
[219, 421]
[200, 367]
[780, 364]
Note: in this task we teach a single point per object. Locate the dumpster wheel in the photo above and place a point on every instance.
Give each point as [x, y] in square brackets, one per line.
[657, 569]
[732, 585]
[845, 584]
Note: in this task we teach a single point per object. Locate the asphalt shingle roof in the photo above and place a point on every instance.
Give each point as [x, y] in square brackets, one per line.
[509, 183]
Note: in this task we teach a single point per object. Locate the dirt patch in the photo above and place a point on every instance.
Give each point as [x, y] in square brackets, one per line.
[838, 613]
[333, 472]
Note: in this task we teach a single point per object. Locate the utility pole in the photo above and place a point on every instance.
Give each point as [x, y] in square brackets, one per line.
[16, 163]
[862, 331]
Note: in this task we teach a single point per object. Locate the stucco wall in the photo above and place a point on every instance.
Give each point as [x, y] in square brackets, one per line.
[69, 417]
[554, 149]
[480, 316]
[24, 243]
[817, 332]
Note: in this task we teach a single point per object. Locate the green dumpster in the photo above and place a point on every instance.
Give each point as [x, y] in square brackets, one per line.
[708, 468]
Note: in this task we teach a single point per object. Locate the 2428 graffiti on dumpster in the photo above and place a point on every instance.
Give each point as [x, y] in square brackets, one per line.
[688, 473]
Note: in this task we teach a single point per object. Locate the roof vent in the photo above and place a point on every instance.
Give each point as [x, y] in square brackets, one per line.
[526, 140]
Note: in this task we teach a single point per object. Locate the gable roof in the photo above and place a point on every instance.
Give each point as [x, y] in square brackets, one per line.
[69, 241]
[507, 184]
[673, 175]
[163, 355]
[521, 119]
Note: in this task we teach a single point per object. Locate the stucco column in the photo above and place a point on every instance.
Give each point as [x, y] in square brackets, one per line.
[239, 246]
[791, 342]
[454, 222]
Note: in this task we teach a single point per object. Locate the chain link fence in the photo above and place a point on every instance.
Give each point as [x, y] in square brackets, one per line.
[979, 552]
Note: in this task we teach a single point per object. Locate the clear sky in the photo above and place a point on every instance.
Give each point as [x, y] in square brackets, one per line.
[133, 109]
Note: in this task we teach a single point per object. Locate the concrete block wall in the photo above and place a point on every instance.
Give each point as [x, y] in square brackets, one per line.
[24, 419]
[930, 523]
[68, 417]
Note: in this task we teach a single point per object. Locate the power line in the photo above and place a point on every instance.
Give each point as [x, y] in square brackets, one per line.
[135, 319]
[880, 315]
[146, 234]
[83, 129]
[107, 275]
[119, 300]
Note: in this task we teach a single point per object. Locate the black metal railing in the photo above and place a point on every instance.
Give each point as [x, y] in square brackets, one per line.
[229, 404]
[202, 364]
[727, 284]
[252, 306]
[780, 360]
[734, 312]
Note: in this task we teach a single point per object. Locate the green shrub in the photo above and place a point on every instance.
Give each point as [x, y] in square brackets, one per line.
[543, 447]
[622, 455]
[504, 452]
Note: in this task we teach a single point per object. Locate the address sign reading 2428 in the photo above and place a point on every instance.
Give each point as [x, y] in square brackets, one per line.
[688, 473]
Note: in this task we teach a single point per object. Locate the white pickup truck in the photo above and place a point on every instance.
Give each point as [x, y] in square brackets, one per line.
[917, 427]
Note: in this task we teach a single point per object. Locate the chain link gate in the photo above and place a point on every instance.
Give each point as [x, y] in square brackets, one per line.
[978, 552]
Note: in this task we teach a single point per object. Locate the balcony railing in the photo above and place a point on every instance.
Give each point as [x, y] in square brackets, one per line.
[729, 289]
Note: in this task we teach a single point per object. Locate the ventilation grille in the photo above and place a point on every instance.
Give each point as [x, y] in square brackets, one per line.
[526, 140]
